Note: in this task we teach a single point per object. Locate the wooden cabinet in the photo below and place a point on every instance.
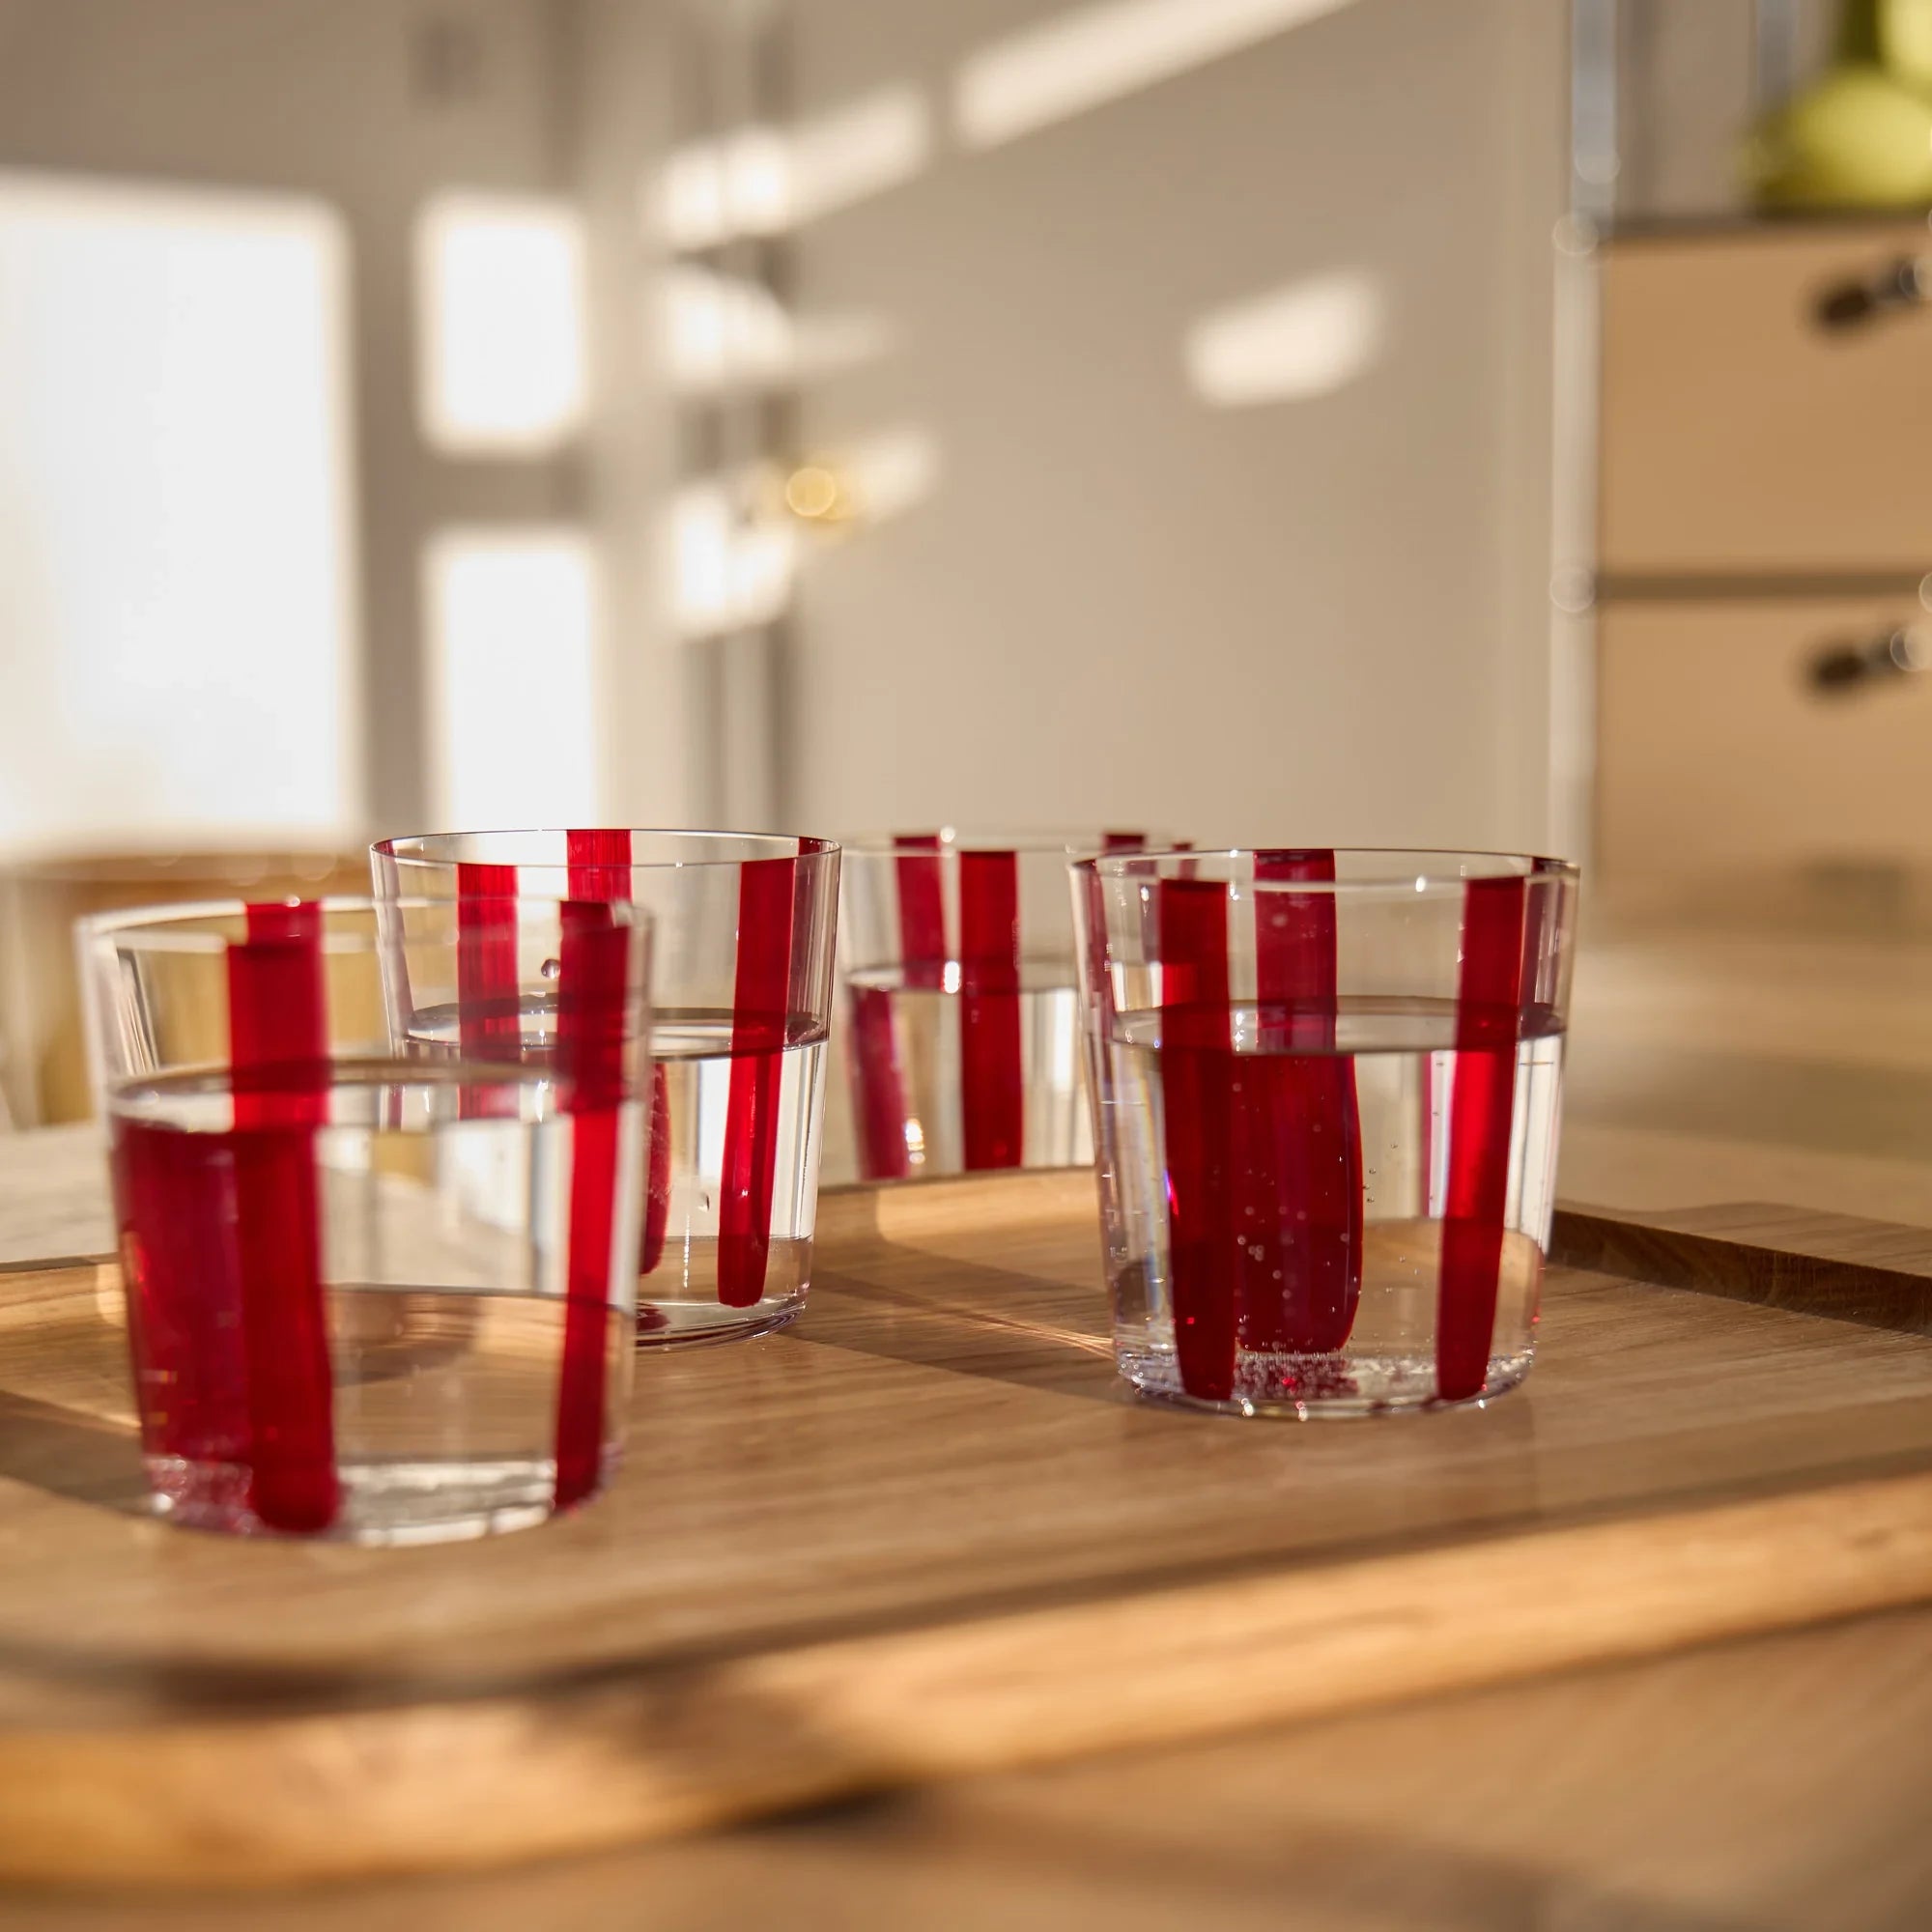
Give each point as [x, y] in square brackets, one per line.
[1717, 751]
[1765, 494]
[1741, 435]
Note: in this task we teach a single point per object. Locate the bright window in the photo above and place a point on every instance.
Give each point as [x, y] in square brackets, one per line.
[513, 637]
[178, 628]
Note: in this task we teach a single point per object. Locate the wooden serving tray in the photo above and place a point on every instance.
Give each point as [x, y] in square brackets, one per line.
[927, 1532]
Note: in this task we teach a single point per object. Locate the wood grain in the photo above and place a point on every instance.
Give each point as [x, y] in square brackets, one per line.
[1777, 1783]
[1874, 1272]
[925, 1534]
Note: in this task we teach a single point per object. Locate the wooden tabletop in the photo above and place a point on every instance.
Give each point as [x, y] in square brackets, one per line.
[1745, 1785]
[1777, 1785]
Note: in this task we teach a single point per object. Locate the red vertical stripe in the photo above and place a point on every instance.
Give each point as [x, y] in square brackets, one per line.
[590, 1029]
[488, 1024]
[1300, 1175]
[657, 1174]
[1203, 1239]
[878, 1087]
[175, 1194]
[759, 1016]
[922, 951]
[1124, 841]
[589, 1037]
[278, 1040]
[993, 1095]
[1481, 1103]
[600, 865]
[599, 862]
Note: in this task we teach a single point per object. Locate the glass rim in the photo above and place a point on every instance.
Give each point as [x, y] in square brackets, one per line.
[783, 846]
[1428, 878]
[1068, 842]
[181, 928]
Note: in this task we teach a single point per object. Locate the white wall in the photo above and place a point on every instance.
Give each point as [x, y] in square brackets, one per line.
[1315, 620]
[1319, 618]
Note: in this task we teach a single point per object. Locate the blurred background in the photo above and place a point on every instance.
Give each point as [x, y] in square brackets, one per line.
[1377, 421]
[822, 416]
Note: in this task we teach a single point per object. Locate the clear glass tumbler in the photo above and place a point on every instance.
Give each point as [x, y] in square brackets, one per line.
[743, 926]
[962, 1014]
[42, 1058]
[372, 1292]
[1327, 1083]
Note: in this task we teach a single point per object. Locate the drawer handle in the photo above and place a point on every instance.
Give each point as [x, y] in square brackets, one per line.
[1903, 283]
[1886, 658]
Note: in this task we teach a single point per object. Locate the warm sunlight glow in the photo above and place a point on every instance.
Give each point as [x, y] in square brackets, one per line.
[512, 686]
[890, 472]
[1309, 338]
[501, 291]
[729, 569]
[763, 181]
[724, 332]
[813, 492]
[1091, 55]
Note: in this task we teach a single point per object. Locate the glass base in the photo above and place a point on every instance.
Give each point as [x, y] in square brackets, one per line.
[691, 1324]
[1312, 1387]
[383, 1504]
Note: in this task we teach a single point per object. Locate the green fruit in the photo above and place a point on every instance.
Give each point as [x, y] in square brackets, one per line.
[1904, 32]
[1855, 139]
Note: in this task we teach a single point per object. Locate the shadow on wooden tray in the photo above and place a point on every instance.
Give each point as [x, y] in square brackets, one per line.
[1008, 1290]
[65, 1452]
[969, 1320]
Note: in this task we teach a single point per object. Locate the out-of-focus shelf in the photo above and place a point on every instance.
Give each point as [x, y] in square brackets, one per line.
[1724, 224]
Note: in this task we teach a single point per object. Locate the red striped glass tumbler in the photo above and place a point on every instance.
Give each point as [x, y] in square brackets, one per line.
[1328, 1085]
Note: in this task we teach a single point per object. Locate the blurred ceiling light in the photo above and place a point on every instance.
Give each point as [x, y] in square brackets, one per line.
[500, 295]
[724, 332]
[870, 481]
[513, 676]
[1309, 338]
[1094, 54]
[729, 569]
[178, 609]
[814, 492]
[763, 181]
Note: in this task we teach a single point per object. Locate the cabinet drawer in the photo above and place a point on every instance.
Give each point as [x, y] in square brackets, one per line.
[1714, 749]
[1738, 434]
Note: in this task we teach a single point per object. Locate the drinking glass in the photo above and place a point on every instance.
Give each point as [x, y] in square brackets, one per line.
[743, 933]
[42, 1057]
[1328, 1085]
[963, 1018]
[374, 1292]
